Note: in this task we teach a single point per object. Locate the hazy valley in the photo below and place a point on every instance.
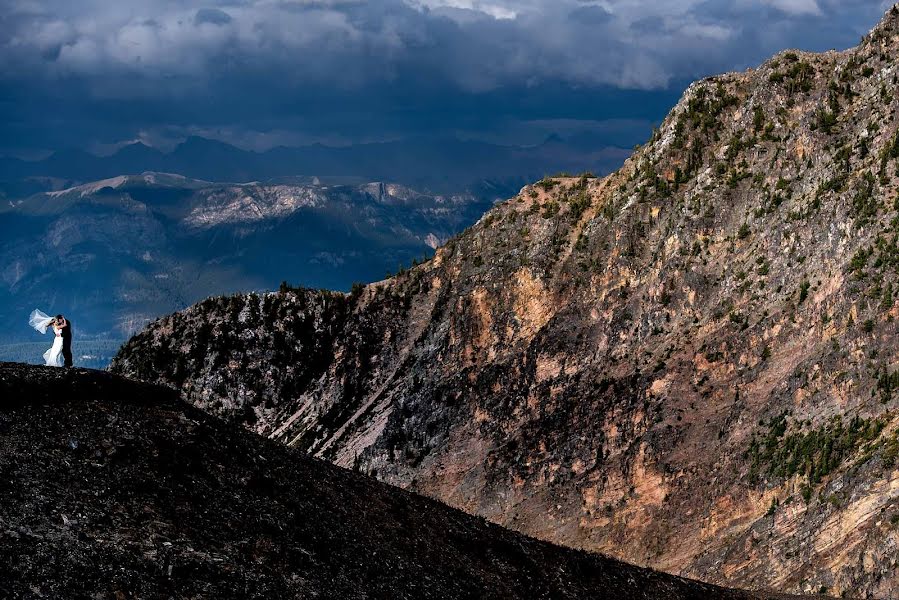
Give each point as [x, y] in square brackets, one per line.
[158, 231]
[122, 251]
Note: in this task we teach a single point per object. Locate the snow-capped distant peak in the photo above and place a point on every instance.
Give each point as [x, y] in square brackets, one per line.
[92, 187]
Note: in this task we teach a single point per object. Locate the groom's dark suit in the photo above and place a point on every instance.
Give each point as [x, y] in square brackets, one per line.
[67, 343]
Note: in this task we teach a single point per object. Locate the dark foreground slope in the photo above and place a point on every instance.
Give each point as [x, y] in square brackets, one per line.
[112, 488]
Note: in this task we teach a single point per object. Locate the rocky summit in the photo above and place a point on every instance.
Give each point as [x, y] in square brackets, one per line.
[690, 364]
[115, 489]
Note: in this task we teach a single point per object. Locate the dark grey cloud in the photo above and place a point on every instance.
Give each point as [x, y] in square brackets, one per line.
[213, 16]
[277, 70]
[591, 15]
[648, 25]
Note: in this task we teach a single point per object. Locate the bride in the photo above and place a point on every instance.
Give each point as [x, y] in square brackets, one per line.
[40, 321]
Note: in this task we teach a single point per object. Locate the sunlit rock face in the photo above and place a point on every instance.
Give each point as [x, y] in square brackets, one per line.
[690, 364]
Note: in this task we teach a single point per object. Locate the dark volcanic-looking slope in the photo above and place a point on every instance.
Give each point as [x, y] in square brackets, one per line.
[116, 489]
[690, 364]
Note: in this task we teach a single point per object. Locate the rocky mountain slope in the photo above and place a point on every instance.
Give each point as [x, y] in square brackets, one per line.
[690, 364]
[114, 489]
[118, 252]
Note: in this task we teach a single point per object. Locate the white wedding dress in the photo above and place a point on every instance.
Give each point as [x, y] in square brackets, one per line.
[52, 357]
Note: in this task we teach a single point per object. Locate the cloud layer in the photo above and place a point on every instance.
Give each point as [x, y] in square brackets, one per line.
[116, 68]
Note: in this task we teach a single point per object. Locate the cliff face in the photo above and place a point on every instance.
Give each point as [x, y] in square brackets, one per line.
[689, 364]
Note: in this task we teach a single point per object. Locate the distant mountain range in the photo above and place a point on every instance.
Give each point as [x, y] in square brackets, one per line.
[117, 252]
[435, 165]
[120, 239]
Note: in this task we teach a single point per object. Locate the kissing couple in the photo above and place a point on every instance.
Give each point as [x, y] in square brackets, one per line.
[60, 353]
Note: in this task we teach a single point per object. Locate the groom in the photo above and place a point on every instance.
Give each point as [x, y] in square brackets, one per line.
[66, 327]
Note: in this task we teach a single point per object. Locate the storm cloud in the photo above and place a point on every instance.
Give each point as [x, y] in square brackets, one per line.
[264, 72]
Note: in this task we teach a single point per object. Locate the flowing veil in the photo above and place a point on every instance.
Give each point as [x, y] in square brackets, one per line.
[39, 321]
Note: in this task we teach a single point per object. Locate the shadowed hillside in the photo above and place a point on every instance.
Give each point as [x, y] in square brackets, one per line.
[116, 489]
